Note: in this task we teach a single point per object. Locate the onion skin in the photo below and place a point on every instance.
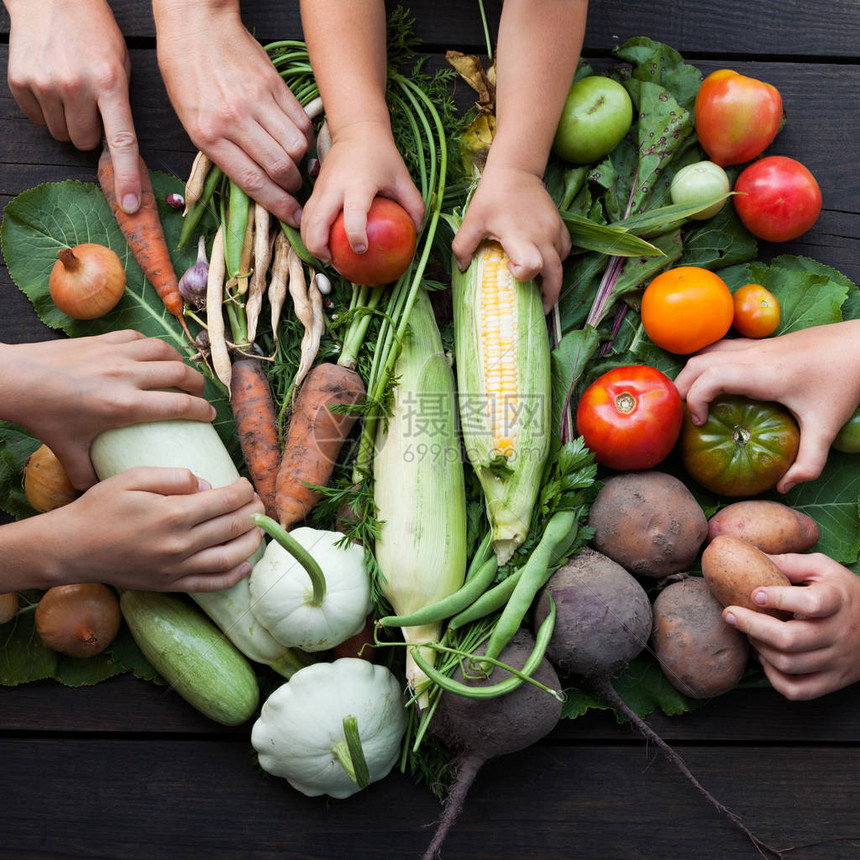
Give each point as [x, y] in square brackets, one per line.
[78, 620]
[46, 484]
[8, 606]
[87, 281]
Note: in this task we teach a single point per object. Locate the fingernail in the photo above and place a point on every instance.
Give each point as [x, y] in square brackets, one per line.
[130, 204]
[787, 487]
[298, 219]
[203, 485]
[730, 619]
[245, 568]
[359, 249]
[760, 598]
[213, 412]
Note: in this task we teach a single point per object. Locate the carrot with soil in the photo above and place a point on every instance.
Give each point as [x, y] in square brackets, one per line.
[145, 237]
[315, 436]
[256, 423]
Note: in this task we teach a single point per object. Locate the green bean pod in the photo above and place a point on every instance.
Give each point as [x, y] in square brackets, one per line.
[482, 554]
[234, 229]
[487, 603]
[303, 253]
[450, 605]
[195, 213]
[558, 536]
[544, 634]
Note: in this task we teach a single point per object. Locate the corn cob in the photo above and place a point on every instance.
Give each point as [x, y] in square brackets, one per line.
[503, 375]
[419, 485]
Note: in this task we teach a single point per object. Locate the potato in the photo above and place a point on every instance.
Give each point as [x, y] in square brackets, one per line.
[734, 568]
[701, 656]
[648, 522]
[770, 526]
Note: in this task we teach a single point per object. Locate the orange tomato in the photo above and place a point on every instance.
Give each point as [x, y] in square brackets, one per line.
[756, 311]
[686, 309]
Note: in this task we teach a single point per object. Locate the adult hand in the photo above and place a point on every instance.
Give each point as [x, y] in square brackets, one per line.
[69, 70]
[232, 102]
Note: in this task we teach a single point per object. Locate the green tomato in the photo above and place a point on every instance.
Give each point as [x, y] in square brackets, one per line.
[848, 438]
[743, 448]
[699, 182]
[596, 116]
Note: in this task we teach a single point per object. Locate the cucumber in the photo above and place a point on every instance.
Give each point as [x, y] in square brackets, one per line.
[192, 655]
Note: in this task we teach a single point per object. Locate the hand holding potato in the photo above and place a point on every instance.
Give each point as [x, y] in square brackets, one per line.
[814, 372]
[817, 651]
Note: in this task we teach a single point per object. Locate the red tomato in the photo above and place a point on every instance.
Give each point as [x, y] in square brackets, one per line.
[686, 309]
[630, 417]
[736, 117]
[777, 198]
[756, 311]
[390, 245]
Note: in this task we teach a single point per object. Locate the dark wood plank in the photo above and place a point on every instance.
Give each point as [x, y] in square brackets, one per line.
[98, 798]
[126, 705]
[762, 29]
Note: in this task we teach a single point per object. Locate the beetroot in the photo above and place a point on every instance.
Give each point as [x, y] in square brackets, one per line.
[481, 729]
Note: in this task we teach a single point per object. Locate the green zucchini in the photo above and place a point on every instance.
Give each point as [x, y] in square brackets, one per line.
[192, 655]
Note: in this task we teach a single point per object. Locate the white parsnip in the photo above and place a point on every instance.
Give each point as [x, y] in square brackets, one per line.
[218, 350]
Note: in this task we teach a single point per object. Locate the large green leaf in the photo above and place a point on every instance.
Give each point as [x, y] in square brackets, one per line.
[831, 500]
[16, 445]
[39, 222]
[809, 292]
[24, 658]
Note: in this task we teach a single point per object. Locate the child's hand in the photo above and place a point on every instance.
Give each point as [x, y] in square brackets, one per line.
[814, 372]
[232, 102]
[513, 207]
[154, 528]
[818, 651]
[363, 162]
[67, 391]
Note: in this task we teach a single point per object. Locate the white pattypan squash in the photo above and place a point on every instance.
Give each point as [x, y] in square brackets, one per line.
[290, 601]
[301, 733]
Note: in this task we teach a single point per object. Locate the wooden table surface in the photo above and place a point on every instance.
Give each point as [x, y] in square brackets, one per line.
[128, 770]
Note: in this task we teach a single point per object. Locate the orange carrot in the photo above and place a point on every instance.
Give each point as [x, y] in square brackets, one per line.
[257, 427]
[145, 236]
[314, 438]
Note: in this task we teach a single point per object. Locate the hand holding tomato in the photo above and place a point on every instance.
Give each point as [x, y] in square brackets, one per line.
[814, 372]
[630, 417]
[391, 240]
[362, 164]
[743, 448]
[737, 117]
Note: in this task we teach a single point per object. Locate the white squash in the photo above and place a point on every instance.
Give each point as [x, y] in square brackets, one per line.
[196, 445]
[290, 601]
[300, 733]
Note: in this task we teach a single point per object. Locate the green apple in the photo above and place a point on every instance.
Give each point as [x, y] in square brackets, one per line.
[595, 119]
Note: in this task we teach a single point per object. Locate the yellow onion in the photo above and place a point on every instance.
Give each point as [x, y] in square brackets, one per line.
[87, 281]
[8, 606]
[79, 620]
[46, 484]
